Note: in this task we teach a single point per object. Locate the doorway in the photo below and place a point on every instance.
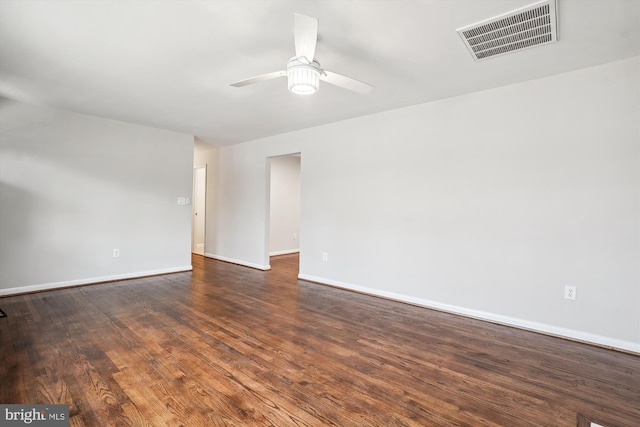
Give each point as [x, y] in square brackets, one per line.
[284, 205]
[199, 209]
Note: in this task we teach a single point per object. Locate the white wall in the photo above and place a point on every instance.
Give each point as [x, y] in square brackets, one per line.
[486, 204]
[284, 210]
[74, 187]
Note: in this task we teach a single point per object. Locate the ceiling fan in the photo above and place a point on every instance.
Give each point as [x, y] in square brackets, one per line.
[303, 71]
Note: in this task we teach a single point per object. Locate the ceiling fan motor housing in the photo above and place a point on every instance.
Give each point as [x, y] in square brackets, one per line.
[303, 76]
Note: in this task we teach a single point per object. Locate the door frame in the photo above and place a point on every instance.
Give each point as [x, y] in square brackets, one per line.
[203, 214]
[267, 246]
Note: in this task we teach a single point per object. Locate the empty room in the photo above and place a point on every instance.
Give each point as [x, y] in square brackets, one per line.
[310, 213]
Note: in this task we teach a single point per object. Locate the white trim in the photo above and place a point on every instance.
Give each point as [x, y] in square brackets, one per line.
[484, 315]
[238, 261]
[91, 280]
[285, 252]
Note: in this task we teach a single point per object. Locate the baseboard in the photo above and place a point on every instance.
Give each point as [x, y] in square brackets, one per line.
[286, 252]
[599, 340]
[90, 281]
[239, 262]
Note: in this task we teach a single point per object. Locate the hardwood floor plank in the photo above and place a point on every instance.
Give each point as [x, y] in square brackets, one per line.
[227, 345]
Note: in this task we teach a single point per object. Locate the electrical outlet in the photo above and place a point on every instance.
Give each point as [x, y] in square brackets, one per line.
[295, 236]
[325, 256]
[116, 253]
[570, 292]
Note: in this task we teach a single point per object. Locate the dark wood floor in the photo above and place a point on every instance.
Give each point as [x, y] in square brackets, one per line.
[231, 346]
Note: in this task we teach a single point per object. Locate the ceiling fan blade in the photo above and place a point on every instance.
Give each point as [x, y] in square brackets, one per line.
[260, 78]
[345, 82]
[306, 35]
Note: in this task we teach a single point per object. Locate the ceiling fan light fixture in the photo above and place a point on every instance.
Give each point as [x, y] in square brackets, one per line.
[303, 79]
[303, 72]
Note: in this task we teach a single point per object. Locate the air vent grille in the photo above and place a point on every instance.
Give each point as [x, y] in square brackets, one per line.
[527, 27]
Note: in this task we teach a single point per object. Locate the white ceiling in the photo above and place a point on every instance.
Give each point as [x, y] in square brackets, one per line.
[168, 64]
